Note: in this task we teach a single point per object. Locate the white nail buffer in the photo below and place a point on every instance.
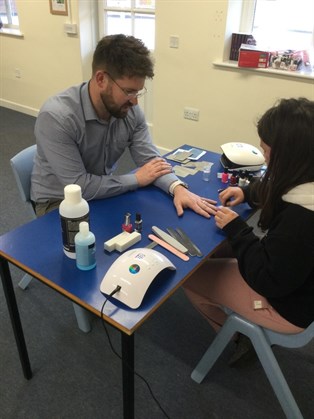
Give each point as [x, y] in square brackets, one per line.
[170, 240]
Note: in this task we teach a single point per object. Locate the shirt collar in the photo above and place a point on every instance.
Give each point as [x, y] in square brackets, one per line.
[89, 111]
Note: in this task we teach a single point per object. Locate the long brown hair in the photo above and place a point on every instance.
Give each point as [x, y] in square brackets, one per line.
[288, 128]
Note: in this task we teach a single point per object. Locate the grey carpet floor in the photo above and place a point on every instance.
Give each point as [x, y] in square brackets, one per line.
[77, 376]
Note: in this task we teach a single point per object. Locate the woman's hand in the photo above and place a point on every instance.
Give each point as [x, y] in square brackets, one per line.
[224, 216]
[231, 196]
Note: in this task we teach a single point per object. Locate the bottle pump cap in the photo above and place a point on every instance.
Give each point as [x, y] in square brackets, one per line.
[73, 194]
[84, 228]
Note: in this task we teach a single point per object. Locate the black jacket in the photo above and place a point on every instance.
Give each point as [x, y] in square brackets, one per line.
[281, 266]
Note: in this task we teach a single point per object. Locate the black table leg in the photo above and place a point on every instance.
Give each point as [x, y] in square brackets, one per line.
[15, 317]
[128, 375]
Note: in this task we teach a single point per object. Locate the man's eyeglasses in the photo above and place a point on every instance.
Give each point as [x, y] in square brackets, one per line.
[130, 95]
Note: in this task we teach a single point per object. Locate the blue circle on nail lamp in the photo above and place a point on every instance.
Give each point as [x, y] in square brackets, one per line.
[134, 269]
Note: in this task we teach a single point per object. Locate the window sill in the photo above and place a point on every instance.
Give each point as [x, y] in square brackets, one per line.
[306, 76]
[11, 32]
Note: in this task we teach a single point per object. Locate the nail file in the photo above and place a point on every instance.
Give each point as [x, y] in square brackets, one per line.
[151, 245]
[188, 242]
[168, 247]
[173, 233]
[170, 240]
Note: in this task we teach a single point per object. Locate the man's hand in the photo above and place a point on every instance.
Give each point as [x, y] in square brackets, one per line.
[186, 199]
[224, 216]
[231, 196]
[152, 170]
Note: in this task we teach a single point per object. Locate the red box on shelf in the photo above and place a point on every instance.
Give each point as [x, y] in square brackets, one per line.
[251, 56]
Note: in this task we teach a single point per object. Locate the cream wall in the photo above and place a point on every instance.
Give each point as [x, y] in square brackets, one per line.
[229, 101]
[49, 59]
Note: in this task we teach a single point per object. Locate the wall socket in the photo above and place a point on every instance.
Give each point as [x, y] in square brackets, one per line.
[191, 113]
[174, 41]
[17, 73]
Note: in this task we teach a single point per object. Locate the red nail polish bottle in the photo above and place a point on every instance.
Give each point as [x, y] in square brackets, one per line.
[225, 176]
[127, 226]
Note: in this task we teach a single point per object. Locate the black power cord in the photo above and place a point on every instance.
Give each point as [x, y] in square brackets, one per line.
[117, 289]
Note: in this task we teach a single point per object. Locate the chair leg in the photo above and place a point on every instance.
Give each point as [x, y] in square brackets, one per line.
[25, 281]
[265, 354]
[213, 352]
[275, 376]
[270, 365]
[82, 318]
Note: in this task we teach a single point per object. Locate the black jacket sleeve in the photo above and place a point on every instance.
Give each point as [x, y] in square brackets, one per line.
[282, 261]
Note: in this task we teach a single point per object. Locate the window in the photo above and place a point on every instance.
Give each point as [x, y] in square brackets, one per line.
[131, 17]
[280, 24]
[8, 14]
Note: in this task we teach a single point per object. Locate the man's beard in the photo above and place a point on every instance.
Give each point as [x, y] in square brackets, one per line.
[113, 109]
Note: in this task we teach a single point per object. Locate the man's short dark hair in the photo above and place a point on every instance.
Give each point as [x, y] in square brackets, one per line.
[123, 56]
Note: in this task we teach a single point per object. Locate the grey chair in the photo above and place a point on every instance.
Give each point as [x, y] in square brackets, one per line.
[262, 340]
[22, 165]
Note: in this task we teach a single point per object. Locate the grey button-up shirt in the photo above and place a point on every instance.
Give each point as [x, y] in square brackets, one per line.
[75, 146]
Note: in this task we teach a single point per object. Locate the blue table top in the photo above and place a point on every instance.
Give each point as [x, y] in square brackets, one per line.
[36, 247]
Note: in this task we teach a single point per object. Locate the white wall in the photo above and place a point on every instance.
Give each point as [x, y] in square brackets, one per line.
[229, 101]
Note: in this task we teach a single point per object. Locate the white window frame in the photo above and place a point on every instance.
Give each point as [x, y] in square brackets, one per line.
[10, 28]
[103, 8]
[146, 101]
[8, 9]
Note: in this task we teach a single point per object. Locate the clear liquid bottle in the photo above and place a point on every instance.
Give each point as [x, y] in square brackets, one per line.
[206, 172]
[85, 248]
[73, 210]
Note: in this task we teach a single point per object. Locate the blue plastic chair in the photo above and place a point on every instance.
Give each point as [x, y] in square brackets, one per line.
[22, 166]
[262, 340]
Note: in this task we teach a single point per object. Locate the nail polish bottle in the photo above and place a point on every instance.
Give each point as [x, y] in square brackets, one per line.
[138, 224]
[242, 180]
[234, 178]
[249, 178]
[127, 226]
[225, 176]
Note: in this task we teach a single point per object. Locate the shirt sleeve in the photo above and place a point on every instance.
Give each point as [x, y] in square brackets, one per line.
[67, 154]
[143, 150]
[61, 163]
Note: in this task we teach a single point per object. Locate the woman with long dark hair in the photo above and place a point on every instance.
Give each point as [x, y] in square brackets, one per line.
[268, 281]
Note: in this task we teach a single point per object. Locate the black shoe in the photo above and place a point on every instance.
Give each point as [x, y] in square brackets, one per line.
[244, 352]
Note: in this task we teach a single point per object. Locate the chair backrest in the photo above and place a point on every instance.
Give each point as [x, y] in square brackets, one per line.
[22, 166]
[295, 340]
[286, 340]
